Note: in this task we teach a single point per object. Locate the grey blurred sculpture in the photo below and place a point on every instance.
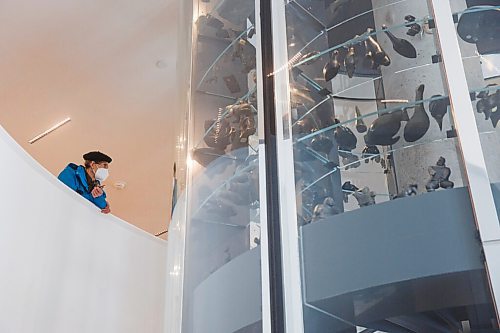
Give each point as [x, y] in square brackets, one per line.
[440, 175]
[408, 191]
[365, 197]
[324, 210]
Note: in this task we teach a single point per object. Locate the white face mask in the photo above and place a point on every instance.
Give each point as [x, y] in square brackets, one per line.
[101, 174]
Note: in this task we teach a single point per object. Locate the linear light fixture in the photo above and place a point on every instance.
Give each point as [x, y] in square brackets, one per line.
[50, 130]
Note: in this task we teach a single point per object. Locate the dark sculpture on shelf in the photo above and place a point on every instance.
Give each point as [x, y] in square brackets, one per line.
[242, 114]
[322, 144]
[350, 62]
[494, 103]
[383, 129]
[218, 132]
[332, 67]
[489, 105]
[371, 153]
[365, 197]
[324, 210]
[413, 27]
[438, 108]
[419, 123]
[483, 107]
[401, 46]
[349, 160]
[345, 138]
[346, 141]
[408, 191]
[375, 52]
[360, 124]
[480, 25]
[348, 189]
[440, 175]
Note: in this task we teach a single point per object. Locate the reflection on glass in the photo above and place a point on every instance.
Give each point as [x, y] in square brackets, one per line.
[378, 173]
[223, 229]
[477, 26]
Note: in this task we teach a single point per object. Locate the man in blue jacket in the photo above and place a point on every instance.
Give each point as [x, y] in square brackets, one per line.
[87, 179]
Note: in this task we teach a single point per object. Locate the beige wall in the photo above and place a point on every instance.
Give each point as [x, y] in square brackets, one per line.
[96, 62]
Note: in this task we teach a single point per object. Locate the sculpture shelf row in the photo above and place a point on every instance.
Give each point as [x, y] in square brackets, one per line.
[227, 135]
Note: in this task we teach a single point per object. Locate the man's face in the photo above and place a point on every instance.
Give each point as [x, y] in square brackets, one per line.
[99, 165]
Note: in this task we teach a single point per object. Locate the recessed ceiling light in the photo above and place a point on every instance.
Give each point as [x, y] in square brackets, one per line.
[50, 130]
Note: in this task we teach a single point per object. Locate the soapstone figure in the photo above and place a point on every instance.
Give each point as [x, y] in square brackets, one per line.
[365, 197]
[419, 123]
[407, 191]
[324, 210]
[440, 175]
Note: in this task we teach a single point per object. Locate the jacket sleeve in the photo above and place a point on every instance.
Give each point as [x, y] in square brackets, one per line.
[68, 178]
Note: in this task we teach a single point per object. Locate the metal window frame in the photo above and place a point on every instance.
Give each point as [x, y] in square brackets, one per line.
[481, 196]
[290, 254]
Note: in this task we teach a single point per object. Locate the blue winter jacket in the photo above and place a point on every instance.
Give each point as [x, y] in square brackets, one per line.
[74, 177]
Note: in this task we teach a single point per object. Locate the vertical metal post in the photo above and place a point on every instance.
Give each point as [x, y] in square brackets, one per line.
[264, 239]
[294, 318]
[468, 135]
[273, 203]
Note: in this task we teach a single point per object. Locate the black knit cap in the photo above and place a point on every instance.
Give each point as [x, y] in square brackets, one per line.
[97, 156]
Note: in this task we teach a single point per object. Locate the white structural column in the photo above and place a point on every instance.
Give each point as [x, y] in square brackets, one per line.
[475, 166]
[294, 320]
[264, 240]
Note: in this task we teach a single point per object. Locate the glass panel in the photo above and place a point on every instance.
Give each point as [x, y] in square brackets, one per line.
[381, 197]
[222, 284]
[478, 25]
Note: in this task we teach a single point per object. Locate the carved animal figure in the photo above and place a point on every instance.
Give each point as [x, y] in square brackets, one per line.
[360, 124]
[401, 46]
[438, 109]
[419, 123]
[375, 52]
[332, 67]
[383, 129]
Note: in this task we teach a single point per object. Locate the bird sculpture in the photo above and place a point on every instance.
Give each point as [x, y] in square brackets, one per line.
[401, 46]
[332, 67]
[375, 52]
[383, 130]
[438, 108]
[419, 123]
[360, 124]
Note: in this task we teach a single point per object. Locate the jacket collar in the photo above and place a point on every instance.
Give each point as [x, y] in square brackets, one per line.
[81, 174]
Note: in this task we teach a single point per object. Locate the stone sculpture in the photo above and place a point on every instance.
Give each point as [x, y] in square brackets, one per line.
[440, 176]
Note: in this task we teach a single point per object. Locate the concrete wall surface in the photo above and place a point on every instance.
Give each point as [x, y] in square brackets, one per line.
[64, 266]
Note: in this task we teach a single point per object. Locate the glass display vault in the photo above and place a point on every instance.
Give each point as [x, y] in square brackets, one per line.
[342, 167]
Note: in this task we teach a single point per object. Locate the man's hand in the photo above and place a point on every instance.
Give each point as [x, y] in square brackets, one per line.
[106, 210]
[97, 192]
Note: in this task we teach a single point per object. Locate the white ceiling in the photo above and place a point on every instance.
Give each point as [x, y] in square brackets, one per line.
[96, 61]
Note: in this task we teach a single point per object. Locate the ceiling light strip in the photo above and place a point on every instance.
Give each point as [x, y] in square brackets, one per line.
[50, 130]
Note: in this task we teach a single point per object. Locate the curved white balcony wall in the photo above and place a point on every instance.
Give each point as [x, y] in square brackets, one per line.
[65, 267]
